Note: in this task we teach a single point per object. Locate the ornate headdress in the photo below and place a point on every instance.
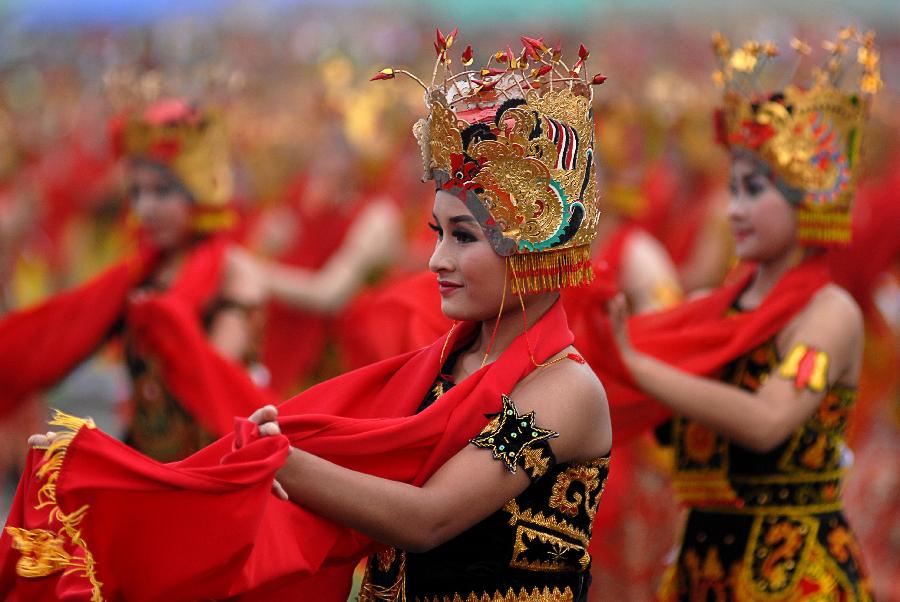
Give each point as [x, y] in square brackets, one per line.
[514, 142]
[808, 136]
[193, 144]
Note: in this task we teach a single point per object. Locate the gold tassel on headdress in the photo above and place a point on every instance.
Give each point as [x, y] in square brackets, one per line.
[551, 270]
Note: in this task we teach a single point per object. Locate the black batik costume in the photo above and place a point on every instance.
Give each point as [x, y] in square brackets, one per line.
[765, 526]
[534, 549]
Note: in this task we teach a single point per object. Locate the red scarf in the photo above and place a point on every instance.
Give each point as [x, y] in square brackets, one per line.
[65, 330]
[209, 527]
[699, 337]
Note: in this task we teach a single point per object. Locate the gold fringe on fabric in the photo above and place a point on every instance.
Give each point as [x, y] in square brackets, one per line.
[823, 228]
[43, 551]
[543, 271]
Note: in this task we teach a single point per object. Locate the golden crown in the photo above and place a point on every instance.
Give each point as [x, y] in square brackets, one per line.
[808, 136]
[514, 142]
[194, 145]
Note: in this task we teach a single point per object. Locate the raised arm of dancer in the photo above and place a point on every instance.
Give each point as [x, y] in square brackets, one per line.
[831, 325]
[371, 242]
[470, 486]
[243, 290]
[649, 278]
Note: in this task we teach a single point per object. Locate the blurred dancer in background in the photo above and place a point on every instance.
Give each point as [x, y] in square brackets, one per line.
[179, 185]
[759, 452]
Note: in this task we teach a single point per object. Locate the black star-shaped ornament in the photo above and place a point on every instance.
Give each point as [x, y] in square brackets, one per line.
[509, 434]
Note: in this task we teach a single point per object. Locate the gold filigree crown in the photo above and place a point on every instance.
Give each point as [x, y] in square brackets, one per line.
[193, 144]
[809, 136]
[514, 142]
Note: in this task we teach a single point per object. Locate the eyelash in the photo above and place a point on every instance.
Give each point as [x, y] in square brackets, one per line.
[460, 235]
[753, 187]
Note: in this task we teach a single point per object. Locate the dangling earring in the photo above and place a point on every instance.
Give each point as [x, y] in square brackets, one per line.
[500, 313]
[525, 331]
[447, 341]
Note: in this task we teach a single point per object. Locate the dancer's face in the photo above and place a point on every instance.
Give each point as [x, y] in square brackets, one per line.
[471, 276]
[160, 203]
[763, 222]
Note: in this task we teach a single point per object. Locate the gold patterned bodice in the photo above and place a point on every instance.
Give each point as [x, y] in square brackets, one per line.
[804, 471]
[534, 549]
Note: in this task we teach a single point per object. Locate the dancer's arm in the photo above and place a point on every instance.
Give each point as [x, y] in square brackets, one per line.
[371, 241]
[831, 324]
[649, 278]
[231, 330]
[565, 397]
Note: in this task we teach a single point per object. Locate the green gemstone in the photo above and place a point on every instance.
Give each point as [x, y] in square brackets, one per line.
[502, 447]
[513, 435]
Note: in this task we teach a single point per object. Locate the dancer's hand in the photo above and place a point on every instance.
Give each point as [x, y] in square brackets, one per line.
[267, 419]
[41, 440]
[618, 317]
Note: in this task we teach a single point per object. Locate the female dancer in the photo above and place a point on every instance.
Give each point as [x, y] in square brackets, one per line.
[759, 450]
[381, 454]
[179, 185]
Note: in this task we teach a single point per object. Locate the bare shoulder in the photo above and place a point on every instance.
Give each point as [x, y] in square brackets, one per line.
[568, 398]
[833, 309]
[643, 245]
[833, 323]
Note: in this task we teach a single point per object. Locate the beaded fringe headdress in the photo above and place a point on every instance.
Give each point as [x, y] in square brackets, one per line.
[809, 136]
[514, 142]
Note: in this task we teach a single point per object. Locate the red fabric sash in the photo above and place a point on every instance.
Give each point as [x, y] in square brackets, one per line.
[209, 527]
[39, 346]
[699, 337]
[212, 388]
[696, 336]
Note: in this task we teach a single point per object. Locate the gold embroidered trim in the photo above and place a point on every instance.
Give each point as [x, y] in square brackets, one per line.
[536, 463]
[369, 592]
[798, 510]
[560, 547]
[536, 595]
[809, 477]
[560, 526]
[43, 551]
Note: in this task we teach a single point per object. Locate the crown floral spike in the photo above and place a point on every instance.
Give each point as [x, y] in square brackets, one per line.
[514, 141]
[807, 132]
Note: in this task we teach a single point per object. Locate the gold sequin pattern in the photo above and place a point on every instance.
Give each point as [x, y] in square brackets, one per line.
[535, 595]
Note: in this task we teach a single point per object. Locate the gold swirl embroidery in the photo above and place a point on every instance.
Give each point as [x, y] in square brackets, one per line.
[517, 191]
[777, 554]
[587, 476]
